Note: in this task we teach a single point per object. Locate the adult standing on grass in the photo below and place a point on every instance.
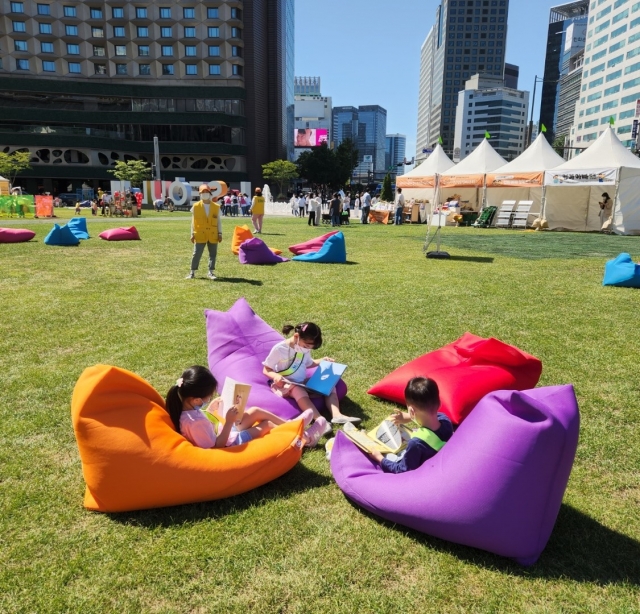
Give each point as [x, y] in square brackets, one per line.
[335, 209]
[365, 203]
[302, 205]
[399, 207]
[257, 211]
[206, 230]
[606, 208]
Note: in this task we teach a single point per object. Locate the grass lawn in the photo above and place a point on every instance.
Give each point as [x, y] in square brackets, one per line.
[297, 545]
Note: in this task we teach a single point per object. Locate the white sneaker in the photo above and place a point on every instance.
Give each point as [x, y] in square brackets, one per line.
[191, 275]
[306, 416]
[210, 275]
[314, 432]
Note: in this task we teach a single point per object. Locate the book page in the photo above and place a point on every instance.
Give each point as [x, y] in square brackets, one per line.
[392, 437]
[363, 441]
[235, 393]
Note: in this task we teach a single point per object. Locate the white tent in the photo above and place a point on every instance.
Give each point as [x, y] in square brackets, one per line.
[574, 188]
[4, 186]
[420, 182]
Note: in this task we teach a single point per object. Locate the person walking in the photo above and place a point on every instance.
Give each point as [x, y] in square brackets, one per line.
[206, 230]
[399, 207]
[335, 209]
[257, 211]
[365, 203]
[312, 210]
[294, 205]
[302, 205]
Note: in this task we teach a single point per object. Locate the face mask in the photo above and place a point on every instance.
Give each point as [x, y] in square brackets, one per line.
[299, 348]
[206, 197]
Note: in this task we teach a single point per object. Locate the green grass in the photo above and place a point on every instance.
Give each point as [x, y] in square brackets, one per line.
[297, 545]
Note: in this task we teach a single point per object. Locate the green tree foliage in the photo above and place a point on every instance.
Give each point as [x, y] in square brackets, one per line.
[329, 168]
[386, 195]
[12, 164]
[135, 171]
[280, 172]
[558, 144]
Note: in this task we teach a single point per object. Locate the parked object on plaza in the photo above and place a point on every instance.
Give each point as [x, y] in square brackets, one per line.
[312, 245]
[256, 251]
[16, 235]
[622, 272]
[120, 234]
[334, 251]
[61, 235]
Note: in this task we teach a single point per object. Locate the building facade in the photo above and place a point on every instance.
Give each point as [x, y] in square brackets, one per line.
[395, 153]
[85, 84]
[312, 111]
[511, 76]
[487, 106]
[469, 36]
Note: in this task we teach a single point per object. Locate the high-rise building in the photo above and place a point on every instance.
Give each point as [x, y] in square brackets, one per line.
[511, 76]
[469, 36]
[313, 114]
[84, 84]
[395, 153]
[565, 40]
[610, 89]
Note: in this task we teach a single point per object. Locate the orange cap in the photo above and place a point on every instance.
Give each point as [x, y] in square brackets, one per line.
[204, 188]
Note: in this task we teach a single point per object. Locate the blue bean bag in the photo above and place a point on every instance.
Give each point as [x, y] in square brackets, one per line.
[61, 235]
[334, 250]
[497, 484]
[78, 226]
[622, 272]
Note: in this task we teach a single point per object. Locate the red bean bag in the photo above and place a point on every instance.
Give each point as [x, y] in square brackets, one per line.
[16, 235]
[120, 234]
[465, 371]
[313, 245]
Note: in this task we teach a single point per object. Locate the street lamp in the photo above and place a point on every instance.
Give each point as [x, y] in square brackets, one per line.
[533, 103]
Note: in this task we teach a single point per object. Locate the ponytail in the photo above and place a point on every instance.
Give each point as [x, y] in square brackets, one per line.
[308, 331]
[174, 406]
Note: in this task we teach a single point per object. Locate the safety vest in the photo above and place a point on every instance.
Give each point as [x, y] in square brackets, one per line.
[429, 437]
[294, 366]
[205, 228]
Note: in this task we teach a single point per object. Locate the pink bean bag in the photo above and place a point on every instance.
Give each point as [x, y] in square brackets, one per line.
[120, 234]
[465, 371]
[312, 245]
[256, 251]
[16, 235]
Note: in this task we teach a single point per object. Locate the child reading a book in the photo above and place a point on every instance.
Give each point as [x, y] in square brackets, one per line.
[192, 393]
[423, 401]
[287, 365]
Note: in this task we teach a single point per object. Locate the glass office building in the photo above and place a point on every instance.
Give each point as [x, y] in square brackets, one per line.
[395, 153]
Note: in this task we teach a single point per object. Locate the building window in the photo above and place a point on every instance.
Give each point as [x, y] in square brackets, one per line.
[45, 28]
[212, 13]
[190, 32]
[143, 32]
[100, 69]
[214, 69]
[141, 13]
[49, 66]
[22, 64]
[44, 9]
[74, 68]
[118, 32]
[189, 13]
[214, 32]
[98, 51]
[191, 69]
[165, 12]
[19, 26]
[190, 50]
[20, 45]
[144, 69]
[73, 49]
[96, 13]
[121, 50]
[143, 50]
[214, 51]
[46, 47]
[117, 12]
[71, 30]
[236, 70]
[236, 32]
[17, 7]
[97, 32]
[236, 52]
[166, 32]
[167, 50]
[121, 69]
[236, 13]
[167, 69]
[70, 11]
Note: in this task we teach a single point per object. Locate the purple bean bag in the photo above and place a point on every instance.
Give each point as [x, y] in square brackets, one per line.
[120, 234]
[238, 341]
[255, 251]
[333, 251]
[16, 235]
[312, 245]
[496, 485]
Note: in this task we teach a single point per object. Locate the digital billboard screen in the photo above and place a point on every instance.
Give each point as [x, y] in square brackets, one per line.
[310, 137]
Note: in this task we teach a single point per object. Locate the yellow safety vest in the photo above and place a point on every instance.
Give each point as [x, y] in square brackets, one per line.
[205, 228]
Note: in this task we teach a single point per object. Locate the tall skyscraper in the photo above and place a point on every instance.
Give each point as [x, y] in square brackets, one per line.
[610, 89]
[469, 36]
[562, 71]
[84, 84]
[395, 153]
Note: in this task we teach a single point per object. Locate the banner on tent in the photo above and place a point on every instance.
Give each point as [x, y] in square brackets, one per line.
[515, 180]
[416, 182]
[461, 181]
[601, 176]
[44, 206]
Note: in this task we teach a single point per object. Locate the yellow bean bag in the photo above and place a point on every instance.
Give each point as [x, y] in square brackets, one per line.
[242, 234]
[132, 457]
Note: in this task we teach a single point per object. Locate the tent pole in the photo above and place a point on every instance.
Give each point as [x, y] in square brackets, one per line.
[617, 199]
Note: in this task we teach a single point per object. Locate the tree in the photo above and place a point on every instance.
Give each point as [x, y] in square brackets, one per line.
[135, 171]
[12, 164]
[347, 160]
[386, 195]
[329, 168]
[558, 144]
[280, 172]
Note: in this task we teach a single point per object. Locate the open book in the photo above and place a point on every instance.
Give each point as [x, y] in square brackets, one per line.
[387, 438]
[234, 393]
[325, 377]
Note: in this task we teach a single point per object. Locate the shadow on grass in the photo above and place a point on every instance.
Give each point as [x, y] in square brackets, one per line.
[580, 548]
[238, 280]
[480, 259]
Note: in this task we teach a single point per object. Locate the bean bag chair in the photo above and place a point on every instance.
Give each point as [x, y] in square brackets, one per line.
[78, 226]
[465, 371]
[238, 341]
[16, 235]
[622, 272]
[496, 485]
[133, 458]
[312, 245]
[120, 234]
[255, 251]
[242, 234]
[61, 235]
[334, 250]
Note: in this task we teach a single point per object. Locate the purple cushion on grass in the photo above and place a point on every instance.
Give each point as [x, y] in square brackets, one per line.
[120, 234]
[16, 235]
[496, 485]
[238, 341]
[255, 251]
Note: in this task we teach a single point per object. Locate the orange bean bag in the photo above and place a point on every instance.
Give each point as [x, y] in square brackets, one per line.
[132, 457]
[242, 234]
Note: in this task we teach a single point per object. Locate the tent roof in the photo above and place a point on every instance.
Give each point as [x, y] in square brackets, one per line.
[3, 178]
[539, 156]
[437, 162]
[606, 151]
[483, 159]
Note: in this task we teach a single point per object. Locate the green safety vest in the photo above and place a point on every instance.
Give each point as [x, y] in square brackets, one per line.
[294, 366]
[429, 437]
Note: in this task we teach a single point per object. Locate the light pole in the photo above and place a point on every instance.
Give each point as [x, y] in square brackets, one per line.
[533, 103]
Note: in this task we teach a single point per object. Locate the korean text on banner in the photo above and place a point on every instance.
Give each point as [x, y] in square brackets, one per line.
[515, 180]
[461, 181]
[600, 176]
[416, 182]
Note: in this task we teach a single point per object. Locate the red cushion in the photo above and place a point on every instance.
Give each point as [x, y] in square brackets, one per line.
[120, 234]
[465, 371]
[312, 245]
[16, 235]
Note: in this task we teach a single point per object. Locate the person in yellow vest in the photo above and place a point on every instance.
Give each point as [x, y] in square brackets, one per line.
[257, 211]
[206, 229]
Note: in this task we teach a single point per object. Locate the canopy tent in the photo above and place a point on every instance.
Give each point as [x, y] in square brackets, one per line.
[574, 189]
[523, 177]
[420, 183]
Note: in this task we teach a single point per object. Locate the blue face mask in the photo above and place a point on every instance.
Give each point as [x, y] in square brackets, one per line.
[201, 406]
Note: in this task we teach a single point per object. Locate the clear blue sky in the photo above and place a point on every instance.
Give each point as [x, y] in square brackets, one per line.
[368, 51]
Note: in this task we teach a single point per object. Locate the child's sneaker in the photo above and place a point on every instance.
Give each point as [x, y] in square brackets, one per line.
[307, 417]
[328, 447]
[314, 432]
